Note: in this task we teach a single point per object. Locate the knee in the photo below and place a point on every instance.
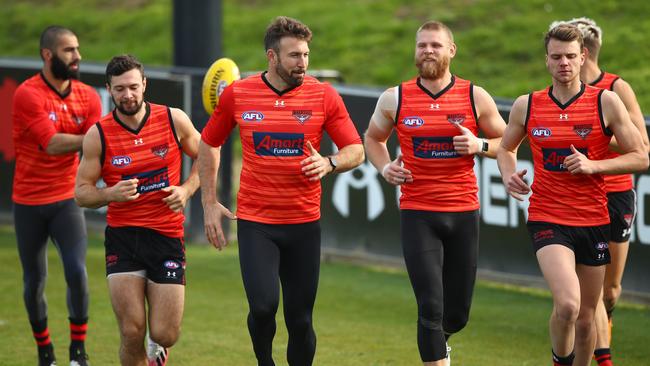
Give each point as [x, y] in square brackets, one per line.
[567, 310]
[132, 333]
[165, 337]
[299, 324]
[430, 315]
[455, 321]
[34, 286]
[263, 312]
[610, 295]
[76, 277]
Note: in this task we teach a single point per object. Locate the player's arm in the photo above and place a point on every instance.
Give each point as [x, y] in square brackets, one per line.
[29, 111]
[634, 155]
[87, 194]
[213, 136]
[379, 130]
[507, 151]
[628, 97]
[189, 139]
[489, 121]
[341, 129]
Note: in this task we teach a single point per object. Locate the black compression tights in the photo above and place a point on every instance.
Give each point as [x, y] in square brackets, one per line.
[440, 251]
[63, 222]
[290, 253]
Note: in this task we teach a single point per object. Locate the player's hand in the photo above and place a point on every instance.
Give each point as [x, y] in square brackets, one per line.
[395, 173]
[466, 143]
[124, 190]
[212, 215]
[177, 198]
[517, 186]
[315, 166]
[578, 163]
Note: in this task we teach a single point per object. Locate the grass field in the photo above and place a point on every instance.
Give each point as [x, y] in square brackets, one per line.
[363, 316]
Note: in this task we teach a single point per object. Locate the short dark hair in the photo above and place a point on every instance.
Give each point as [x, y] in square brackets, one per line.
[50, 37]
[435, 25]
[118, 65]
[285, 27]
[564, 33]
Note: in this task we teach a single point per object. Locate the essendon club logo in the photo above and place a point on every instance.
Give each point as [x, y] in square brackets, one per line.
[160, 150]
[456, 119]
[302, 116]
[628, 219]
[582, 130]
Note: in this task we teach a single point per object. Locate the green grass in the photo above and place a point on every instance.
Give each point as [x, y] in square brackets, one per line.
[363, 316]
[370, 42]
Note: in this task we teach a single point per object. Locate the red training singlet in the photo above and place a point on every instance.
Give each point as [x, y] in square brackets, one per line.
[560, 197]
[619, 182]
[443, 180]
[40, 112]
[273, 128]
[152, 153]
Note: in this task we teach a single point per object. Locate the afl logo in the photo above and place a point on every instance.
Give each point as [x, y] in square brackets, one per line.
[540, 132]
[120, 161]
[171, 264]
[413, 121]
[252, 116]
[601, 246]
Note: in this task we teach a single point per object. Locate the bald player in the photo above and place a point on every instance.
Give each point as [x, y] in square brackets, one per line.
[51, 112]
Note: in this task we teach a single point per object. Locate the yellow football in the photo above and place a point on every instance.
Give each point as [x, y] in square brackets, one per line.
[220, 74]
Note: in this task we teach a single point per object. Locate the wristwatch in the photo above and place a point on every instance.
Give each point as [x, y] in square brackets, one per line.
[485, 146]
[333, 163]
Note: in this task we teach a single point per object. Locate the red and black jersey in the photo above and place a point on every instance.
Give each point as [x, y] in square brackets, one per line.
[619, 182]
[560, 197]
[152, 154]
[443, 180]
[40, 112]
[274, 127]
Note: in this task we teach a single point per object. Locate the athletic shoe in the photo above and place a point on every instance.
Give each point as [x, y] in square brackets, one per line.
[46, 357]
[157, 355]
[448, 358]
[81, 359]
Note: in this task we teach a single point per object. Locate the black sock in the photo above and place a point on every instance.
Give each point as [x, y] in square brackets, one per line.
[602, 355]
[566, 360]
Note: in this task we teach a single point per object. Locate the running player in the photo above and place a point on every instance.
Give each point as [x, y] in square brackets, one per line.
[621, 197]
[281, 114]
[569, 126]
[51, 112]
[437, 117]
[137, 150]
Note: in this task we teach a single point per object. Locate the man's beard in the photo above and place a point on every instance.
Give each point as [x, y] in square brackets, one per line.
[287, 77]
[62, 71]
[432, 70]
[128, 112]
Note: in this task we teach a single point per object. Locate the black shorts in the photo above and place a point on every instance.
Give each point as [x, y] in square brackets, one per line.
[136, 249]
[589, 243]
[622, 211]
